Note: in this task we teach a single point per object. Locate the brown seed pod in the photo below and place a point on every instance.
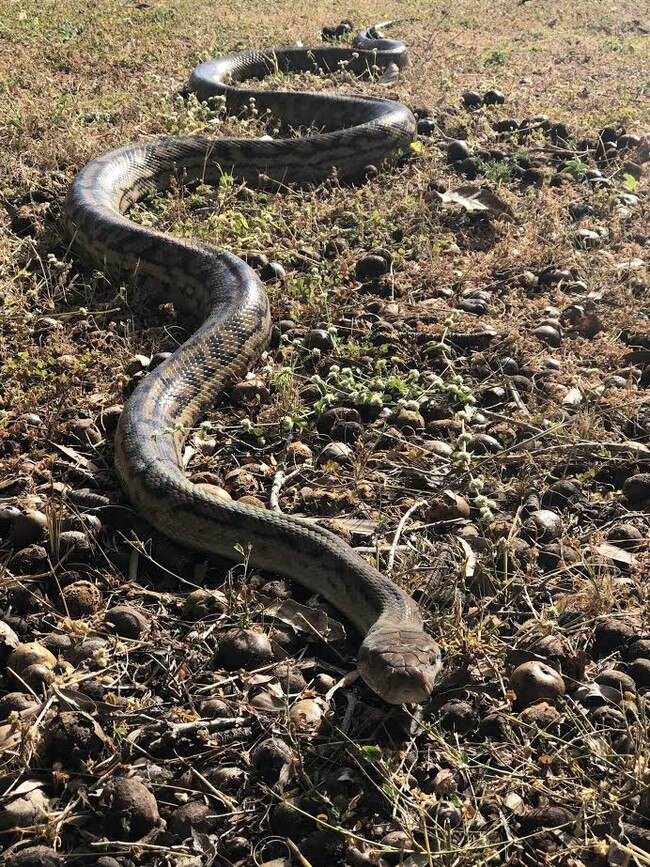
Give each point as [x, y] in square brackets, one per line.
[130, 810]
[536, 681]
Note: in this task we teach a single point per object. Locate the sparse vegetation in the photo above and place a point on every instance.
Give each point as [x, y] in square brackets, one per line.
[457, 384]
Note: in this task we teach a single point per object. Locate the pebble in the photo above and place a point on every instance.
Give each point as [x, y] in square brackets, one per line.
[472, 99]
[250, 391]
[129, 810]
[639, 671]
[27, 528]
[272, 272]
[544, 525]
[458, 150]
[548, 335]
[307, 715]
[611, 634]
[585, 239]
[536, 681]
[371, 267]
[29, 654]
[34, 856]
[243, 648]
[270, 758]
[493, 97]
[127, 622]
[337, 453]
[191, 818]
[9, 642]
[626, 536]
[426, 126]
[636, 488]
[617, 680]
[81, 599]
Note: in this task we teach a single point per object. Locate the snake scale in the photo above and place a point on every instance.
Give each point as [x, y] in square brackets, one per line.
[397, 658]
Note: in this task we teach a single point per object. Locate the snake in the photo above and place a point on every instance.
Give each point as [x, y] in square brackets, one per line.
[345, 134]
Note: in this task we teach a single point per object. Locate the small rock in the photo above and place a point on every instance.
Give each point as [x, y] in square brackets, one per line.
[550, 276]
[228, 778]
[9, 643]
[493, 97]
[544, 525]
[158, 359]
[337, 453]
[407, 418]
[541, 714]
[214, 708]
[37, 677]
[319, 338]
[371, 267]
[562, 493]
[458, 716]
[250, 392]
[291, 679]
[289, 820]
[138, 364]
[74, 545]
[16, 702]
[24, 811]
[298, 453]
[195, 816]
[73, 738]
[472, 99]
[34, 856]
[637, 488]
[29, 654]
[201, 604]
[272, 272]
[85, 431]
[617, 680]
[307, 715]
[445, 814]
[626, 536]
[426, 126]
[535, 681]
[548, 335]
[546, 817]
[271, 758]
[323, 848]
[639, 671]
[81, 599]
[126, 621]
[585, 239]
[637, 649]
[243, 648]
[449, 506]
[611, 634]
[27, 528]
[458, 150]
[130, 810]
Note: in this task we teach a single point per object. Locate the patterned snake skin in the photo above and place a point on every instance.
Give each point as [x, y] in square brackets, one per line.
[396, 658]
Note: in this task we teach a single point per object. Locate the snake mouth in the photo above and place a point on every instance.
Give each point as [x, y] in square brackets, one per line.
[400, 664]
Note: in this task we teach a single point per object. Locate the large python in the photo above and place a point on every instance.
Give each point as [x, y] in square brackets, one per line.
[396, 658]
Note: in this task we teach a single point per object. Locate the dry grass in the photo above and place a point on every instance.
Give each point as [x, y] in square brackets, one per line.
[469, 778]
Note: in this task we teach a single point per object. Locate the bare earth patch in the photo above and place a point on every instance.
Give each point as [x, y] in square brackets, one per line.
[457, 385]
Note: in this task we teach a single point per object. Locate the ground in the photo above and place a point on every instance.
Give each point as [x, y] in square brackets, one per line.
[457, 385]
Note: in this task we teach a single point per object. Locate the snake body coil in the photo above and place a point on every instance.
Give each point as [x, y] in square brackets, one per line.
[397, 658]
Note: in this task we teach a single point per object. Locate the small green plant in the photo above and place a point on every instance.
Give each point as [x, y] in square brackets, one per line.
[496, 57]
[630, 183]
[576, 168]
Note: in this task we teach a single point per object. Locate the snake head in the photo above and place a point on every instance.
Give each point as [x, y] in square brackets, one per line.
[400, 663]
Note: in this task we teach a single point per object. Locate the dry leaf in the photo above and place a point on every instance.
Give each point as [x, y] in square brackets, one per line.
[474, 198]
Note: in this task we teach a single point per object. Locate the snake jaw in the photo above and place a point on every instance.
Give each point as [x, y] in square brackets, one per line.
[399, 663]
